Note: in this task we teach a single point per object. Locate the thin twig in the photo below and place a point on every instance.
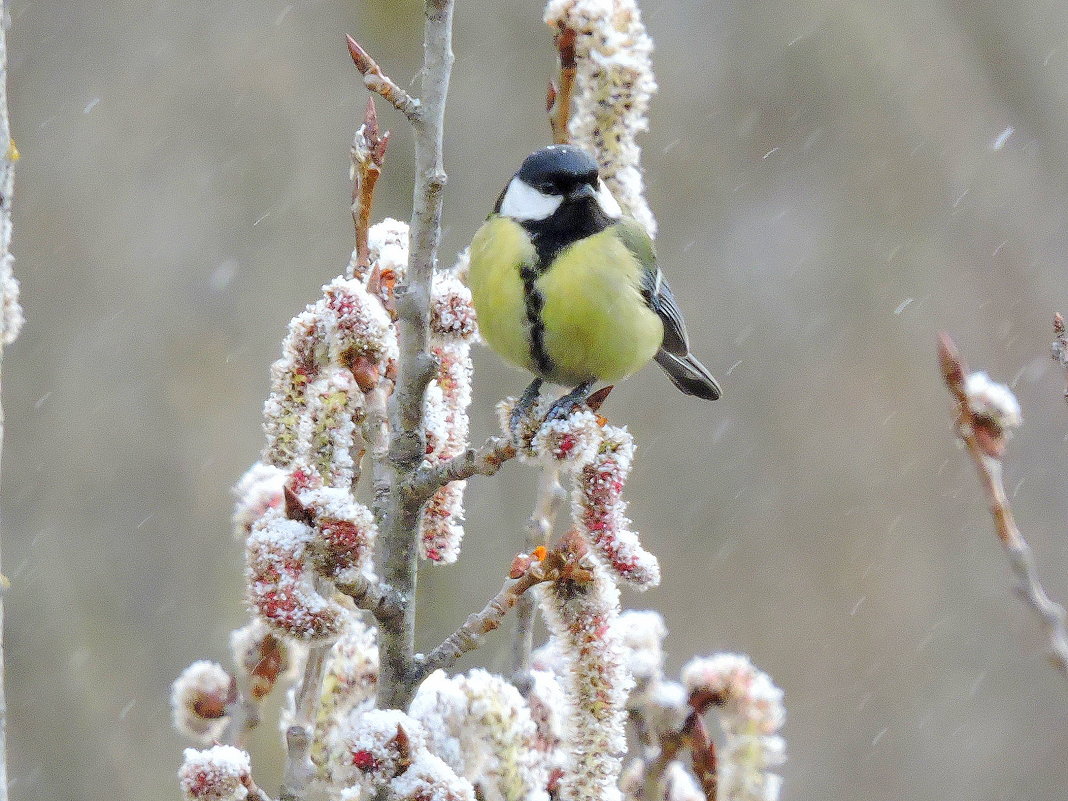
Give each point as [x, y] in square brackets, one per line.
[368, 154]
[539, 532]
[470, 635]
[485, 460]
[382, 85]
[298, 769]
[560, 95]
[985, 449]
[1059, 350]
[566, 563]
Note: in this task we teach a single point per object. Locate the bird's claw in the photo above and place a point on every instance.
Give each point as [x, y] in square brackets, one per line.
[522, 412]
[565, 406]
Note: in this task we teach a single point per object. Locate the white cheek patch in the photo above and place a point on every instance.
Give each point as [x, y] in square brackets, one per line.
[607, 203]
[523, 202]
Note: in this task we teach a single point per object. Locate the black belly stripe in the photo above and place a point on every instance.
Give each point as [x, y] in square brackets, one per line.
[534, 303]
[572, 221]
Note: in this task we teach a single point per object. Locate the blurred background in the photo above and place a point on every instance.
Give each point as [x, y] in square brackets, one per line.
[835, 181]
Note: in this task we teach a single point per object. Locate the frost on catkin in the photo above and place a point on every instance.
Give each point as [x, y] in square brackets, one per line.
[613, 85]
[445, 419]
[481, 726]
[600, 511]
[581, 617]
[751, 713]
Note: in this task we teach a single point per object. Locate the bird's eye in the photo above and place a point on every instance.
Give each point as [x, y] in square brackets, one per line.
[547, 188]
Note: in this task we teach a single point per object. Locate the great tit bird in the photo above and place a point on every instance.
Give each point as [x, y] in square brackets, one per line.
[568, 288]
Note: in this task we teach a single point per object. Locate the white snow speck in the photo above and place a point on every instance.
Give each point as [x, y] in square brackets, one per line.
[1002, 138]
[904, 305]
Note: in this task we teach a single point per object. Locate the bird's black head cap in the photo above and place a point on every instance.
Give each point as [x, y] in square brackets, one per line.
[557, 169]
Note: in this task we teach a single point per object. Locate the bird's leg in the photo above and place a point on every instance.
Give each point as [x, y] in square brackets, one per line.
[564, 406]
[524, 407]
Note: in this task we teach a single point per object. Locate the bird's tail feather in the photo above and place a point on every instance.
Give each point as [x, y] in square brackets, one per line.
[689, 375]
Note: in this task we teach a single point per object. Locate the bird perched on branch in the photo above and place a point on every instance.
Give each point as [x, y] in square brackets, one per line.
[568, 288]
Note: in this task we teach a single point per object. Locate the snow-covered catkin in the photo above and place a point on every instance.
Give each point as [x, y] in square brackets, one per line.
[349, 681]
[751, 713]
[304, 354]
[281, 582]
[258, 490]
[993, 402]
[481, 726]
[199, 700]
[221, 773]
[599, 511]
[446, 424]
[261, 657]
[387, 748]
[387, 248]
[337, 348]
[582, 616]
[330, 425]
[613, 85]
[344, 535]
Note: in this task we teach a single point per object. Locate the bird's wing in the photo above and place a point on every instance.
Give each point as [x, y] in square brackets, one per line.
[655, 287]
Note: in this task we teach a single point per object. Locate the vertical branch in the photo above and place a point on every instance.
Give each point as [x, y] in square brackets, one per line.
[560, 95]
[10, 322]
[539, 530]
[416, 365]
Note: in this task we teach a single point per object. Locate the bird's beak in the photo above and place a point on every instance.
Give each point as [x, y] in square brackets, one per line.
[583, 191]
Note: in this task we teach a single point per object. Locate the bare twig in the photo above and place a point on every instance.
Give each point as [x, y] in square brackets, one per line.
[559, 99]
[376, 597]
[986, 447]
[528, 570]
[398, 511]
[483, 461]
[298, 769]
[382, 85]
[469, 636]
[539, 531]
[1059, 350]
[368, 154]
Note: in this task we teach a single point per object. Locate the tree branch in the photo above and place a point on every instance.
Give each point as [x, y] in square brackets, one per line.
[985, 448]
[399, 511]
[469, 636]
[693, 736]
[375, 597]
[559, 100]
[375, 80]
[1059, 350]
[483, 461]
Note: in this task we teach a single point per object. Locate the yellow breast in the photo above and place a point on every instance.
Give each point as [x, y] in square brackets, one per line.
[596, 322]
[498, 251]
